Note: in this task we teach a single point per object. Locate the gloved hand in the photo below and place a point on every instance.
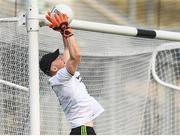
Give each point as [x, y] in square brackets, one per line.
[59, 22]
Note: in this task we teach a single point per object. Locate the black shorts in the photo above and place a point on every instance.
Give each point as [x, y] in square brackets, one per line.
[83, 130]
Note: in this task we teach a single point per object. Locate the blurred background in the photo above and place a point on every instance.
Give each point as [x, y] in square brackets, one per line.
[156, 14]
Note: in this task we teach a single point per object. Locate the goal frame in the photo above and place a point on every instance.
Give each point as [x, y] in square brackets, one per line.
[32, 30]
[31, 21]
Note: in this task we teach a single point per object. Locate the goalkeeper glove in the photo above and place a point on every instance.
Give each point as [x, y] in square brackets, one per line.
[60, 23]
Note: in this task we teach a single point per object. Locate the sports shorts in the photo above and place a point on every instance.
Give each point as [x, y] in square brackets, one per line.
[83, 130]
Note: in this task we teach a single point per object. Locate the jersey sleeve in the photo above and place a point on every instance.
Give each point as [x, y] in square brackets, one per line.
[61, 77]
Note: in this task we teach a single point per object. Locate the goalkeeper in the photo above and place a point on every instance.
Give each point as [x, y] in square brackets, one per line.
[79, 107]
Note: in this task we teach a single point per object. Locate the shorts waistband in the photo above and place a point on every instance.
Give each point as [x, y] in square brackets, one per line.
[81, 127]
[83, 130]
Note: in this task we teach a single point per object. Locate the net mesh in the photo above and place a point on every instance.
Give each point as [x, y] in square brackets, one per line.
[117, 72]
[167, 64]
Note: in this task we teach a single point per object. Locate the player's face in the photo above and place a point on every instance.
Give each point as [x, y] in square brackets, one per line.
[58, 62]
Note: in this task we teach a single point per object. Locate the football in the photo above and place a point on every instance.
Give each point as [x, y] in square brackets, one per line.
[64, 9]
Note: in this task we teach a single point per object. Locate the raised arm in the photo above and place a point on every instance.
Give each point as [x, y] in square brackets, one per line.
[71, 52]
[66, 50]
[74, 53]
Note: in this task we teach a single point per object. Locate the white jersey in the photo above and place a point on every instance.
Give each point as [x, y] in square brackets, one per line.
[78, 106]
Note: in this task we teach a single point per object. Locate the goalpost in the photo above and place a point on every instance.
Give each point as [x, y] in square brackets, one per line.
[32, 30]
[133, 73]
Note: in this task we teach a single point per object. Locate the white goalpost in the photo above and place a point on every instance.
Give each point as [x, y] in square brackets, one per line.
[32, 30]
[134, 73]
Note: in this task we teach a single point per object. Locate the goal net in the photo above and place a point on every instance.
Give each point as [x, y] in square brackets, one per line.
[135, 80]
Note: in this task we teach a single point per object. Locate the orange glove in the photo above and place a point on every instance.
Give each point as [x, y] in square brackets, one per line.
[60, 23]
